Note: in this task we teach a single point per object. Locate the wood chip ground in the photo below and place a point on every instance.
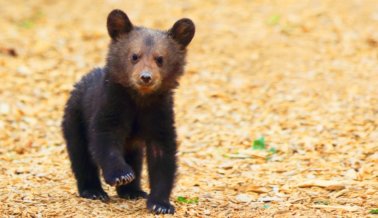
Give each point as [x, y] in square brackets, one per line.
[302, 74]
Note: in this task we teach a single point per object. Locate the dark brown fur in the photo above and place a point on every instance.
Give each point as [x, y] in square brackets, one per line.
[117, 112]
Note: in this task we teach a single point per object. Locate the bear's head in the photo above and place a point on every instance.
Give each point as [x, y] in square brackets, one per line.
[147, 60]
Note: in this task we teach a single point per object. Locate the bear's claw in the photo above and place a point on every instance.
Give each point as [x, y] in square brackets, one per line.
[160, 208]
[123, 178]
[95, 194]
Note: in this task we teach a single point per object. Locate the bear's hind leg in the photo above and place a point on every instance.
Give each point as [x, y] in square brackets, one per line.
[84, 170]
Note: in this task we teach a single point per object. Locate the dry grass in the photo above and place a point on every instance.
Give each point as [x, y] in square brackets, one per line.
[303, 74]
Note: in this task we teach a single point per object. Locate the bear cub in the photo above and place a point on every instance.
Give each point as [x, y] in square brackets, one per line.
[118, 113]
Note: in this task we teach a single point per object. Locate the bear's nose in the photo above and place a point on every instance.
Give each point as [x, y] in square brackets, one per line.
[146, 77]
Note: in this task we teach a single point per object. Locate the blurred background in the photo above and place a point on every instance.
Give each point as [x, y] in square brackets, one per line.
[277, 113]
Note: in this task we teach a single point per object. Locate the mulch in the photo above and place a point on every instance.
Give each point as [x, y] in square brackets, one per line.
[302, 75]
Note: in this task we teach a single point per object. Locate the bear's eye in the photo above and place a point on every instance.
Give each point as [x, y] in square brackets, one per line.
[159, 61]
[134, 58]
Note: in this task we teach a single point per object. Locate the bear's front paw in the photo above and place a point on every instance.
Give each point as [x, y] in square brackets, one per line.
[159, 207]
[121, 177]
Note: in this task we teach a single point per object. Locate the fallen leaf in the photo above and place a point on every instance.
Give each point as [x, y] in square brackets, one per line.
[244, 198]
[329, 185]
[338, 207]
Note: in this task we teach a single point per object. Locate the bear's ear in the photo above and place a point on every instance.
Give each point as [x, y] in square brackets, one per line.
[118, 23]
[182, 31]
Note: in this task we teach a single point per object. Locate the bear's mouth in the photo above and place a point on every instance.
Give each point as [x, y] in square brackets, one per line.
[146, 88]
